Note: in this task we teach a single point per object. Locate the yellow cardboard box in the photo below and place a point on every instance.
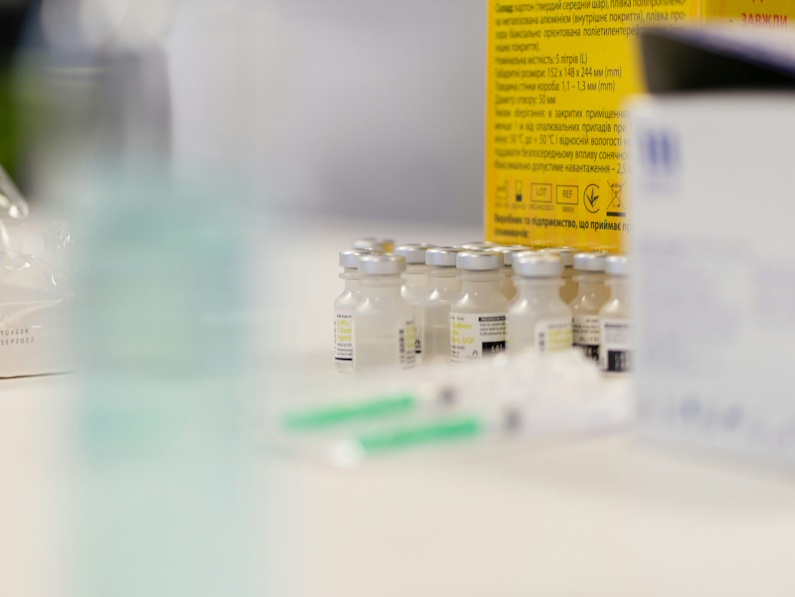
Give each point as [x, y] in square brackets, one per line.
[557, 73]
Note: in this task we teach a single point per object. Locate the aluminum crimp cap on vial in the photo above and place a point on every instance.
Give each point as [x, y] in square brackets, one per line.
[617, 265]
[566, 254]
[589, 262]
[479, 260]
[350, 257]
[381, 264]
[442, 256]
[478, 245]
[374, 244]
[538, 265]
[509, 252]
[414, 253]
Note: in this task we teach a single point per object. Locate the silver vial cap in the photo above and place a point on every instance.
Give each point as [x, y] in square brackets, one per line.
[350, 257]
[538, 265]
[374, 243]
[509, 252]
[479, 260]
[413, 253]
[381, 264]
[590, 262]
[478, 245]
[442, 256]
[566, 254]
[617, 265]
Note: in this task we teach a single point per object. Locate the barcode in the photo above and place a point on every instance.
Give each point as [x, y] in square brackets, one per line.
[542, 341]
[402, 344]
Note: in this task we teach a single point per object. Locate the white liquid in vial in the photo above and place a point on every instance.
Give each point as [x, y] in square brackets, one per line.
[384, 326]
[445, 288]
[414, 291]
[477, 317]
[538, 318]
[616, 331]
[592, 294]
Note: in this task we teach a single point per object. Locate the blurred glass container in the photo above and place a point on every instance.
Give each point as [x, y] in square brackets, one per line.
[163, 489]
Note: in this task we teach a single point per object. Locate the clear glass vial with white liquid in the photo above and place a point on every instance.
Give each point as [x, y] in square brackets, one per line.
[445, 287]
[383, 322]
[416, 284]
[508, 253]
[343, 309]
[589, 271]
[569, 289]
[477, 316]
[538, 318]
[615, 319]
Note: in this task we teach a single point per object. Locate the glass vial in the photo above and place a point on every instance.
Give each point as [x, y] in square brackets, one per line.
[383, 322]
[589, 275]
[343, 310]
[416, 285]
[538, 318]
[373, 243]
[477, 316]
[445, 287]
[508, 252]
[569, 289]
[615, 319]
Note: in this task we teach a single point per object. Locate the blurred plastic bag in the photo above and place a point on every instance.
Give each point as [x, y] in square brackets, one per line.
[33, 291]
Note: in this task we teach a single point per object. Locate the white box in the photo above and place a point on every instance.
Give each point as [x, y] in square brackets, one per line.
[34, 335]
[712, 182]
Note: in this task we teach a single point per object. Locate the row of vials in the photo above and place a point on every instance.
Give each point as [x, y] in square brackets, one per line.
[422, 303]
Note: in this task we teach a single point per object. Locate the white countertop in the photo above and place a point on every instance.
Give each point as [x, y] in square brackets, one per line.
[606, 515]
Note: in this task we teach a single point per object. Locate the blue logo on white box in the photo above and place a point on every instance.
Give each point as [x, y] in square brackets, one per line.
[659, 161]
[659, 152]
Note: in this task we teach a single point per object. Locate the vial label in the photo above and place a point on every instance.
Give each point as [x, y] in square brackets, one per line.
[407, 333]
[615, 350]
[553, 335]
[585, 334]
[473, 335]
[343, 336]
[417, 337]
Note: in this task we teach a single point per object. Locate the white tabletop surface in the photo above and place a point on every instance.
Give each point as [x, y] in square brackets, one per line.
[606, 515]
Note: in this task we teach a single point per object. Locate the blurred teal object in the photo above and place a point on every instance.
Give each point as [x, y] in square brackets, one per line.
[165, 465]
[163, 462]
